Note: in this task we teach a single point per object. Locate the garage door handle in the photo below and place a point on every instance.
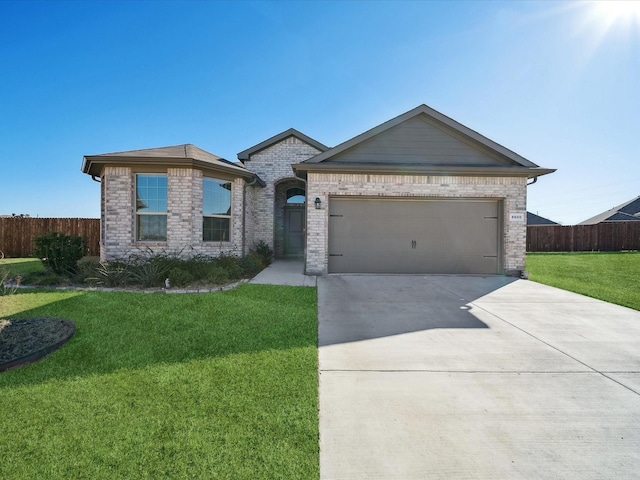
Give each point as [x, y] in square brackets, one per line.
[413, 244]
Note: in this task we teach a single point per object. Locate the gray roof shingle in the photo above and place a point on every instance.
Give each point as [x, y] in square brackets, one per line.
[626, 212]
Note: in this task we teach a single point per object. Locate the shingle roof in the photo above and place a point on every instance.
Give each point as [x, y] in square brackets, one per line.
[179, 154]
[533, 219]
[626, 212]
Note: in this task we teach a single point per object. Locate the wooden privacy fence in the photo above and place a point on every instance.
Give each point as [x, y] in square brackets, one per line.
[604, 237]
[17, 234]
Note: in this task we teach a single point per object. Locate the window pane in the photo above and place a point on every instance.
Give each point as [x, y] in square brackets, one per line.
[295, 195]
[216, 197]
[152, 228]
[151, 193]
[215, 229]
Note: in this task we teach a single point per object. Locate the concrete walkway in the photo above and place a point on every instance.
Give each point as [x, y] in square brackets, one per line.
[285, 272]
[446, 377]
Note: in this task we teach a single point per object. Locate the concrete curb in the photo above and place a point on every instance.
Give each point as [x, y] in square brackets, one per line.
[219, 288]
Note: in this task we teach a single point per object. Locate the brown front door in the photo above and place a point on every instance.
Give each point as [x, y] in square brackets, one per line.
[294, 230]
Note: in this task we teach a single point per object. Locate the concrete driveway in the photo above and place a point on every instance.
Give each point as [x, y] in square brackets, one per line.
[472, 377]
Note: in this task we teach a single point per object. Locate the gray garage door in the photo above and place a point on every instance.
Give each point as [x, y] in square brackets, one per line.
[413, 236]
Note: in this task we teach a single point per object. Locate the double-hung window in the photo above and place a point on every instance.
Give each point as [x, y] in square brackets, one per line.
[151, 207]
[216, 210]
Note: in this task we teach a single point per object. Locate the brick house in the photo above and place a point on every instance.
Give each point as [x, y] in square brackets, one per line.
[419, 193]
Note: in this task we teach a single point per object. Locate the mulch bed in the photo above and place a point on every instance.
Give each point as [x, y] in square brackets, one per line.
[27, 340]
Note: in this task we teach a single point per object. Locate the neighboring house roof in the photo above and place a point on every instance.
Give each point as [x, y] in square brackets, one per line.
[535, 220]
[422, 141]
[180, 155]
[292, 132]
[626, 212]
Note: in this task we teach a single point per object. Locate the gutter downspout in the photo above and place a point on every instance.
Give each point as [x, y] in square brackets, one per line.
[535, 179]
[93, 177]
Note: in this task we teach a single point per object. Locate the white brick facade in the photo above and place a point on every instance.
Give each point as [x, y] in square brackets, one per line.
[510, 190]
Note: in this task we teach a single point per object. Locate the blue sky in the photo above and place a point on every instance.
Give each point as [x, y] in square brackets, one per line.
[556, 82]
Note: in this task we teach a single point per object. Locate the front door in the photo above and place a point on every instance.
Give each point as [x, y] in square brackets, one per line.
[294, 230]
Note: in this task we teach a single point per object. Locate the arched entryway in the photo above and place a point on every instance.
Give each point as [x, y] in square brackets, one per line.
[290, 218]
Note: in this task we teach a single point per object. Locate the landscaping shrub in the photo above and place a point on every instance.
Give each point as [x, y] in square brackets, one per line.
[149, 273]
[265, 252]
[217, 275]
[251, 264]
[59, 252]
[180, 277]
[198, 266]
[150, 269]
[231, 264]
[87, 270]
[115, 274]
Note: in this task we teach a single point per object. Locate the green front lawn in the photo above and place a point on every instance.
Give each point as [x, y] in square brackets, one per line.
[220, 385]
[20, 266]
[613, 277]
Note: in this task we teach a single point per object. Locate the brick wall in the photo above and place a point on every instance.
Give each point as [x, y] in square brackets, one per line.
[272, 164]
[511, 190]
[118, 212]
[184, 216]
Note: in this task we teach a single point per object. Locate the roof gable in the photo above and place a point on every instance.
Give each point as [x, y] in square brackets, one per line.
[292, 132]
[426, 141]
[420, 140]
[436, 127]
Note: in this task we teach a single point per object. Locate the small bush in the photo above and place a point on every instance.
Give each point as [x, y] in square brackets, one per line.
[218, 275]
[231, 264]
[179, 277]
[149, 273]
[59, 252]
[87, 268]
[265, 252]
[251, 264]
[199, 266]
[115, 274]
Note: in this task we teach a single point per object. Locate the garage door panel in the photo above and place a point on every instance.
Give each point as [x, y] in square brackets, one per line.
[456, 264]
[362, 263]
[413, 236]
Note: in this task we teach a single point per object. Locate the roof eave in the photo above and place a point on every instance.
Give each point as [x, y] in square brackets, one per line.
[93, 165]
[301, 169]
